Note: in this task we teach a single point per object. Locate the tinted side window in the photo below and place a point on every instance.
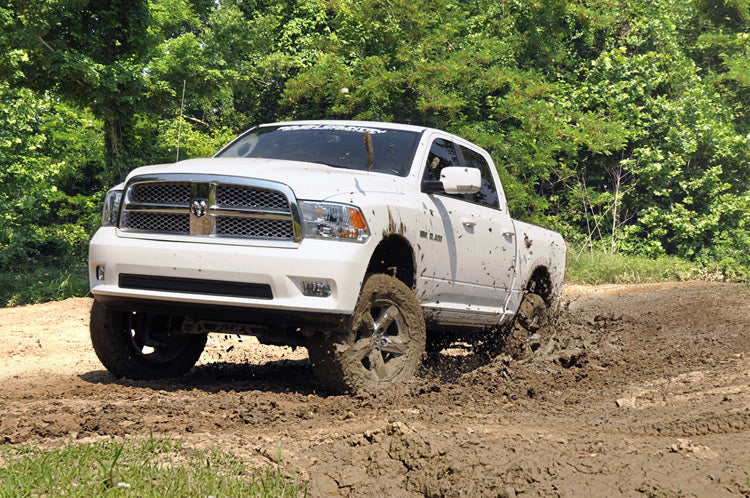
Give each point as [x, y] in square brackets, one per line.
[487, 195]
[442, 154]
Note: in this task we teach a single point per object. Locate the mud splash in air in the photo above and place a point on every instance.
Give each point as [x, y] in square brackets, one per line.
[642, 391]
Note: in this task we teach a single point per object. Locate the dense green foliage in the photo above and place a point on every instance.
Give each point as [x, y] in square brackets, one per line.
[623, 124]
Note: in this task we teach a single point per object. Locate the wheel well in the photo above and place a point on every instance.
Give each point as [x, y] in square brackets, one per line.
[540, 283]
[394, 256]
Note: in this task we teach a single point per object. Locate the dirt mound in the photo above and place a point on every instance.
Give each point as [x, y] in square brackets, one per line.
[644, 390]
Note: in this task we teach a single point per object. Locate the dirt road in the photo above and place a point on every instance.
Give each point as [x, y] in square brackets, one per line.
[645, 392]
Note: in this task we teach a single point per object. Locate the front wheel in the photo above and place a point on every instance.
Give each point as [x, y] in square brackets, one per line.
[141, 345]
[383, 342]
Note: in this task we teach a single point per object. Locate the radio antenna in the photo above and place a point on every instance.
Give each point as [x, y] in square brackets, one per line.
[179, 127]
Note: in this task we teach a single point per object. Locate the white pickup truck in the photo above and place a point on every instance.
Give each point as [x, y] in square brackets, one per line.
[365, 242]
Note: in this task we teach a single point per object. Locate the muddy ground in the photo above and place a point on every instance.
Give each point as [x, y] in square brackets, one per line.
[645, 392]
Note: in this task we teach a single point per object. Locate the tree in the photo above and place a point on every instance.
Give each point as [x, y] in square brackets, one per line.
[88, 52]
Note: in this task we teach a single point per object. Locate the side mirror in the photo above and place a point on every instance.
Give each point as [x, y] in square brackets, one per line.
[461, 180]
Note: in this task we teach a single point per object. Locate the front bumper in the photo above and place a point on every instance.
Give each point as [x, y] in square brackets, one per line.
[281, 268]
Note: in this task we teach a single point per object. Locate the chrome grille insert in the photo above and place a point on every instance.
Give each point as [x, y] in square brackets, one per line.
[210, 206]
[231, 226]
[237, 196]
[145, 221]
[162, 193]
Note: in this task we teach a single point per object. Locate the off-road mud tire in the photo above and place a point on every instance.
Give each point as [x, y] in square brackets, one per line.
[119, 344]
[530, 329]
[383, 342]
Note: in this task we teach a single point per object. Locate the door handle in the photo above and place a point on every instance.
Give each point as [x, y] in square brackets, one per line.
[508, 232]
[468, 222]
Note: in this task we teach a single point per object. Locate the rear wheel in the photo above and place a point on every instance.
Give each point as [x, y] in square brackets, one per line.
[530, 328]
[383, 342]
[142, 345]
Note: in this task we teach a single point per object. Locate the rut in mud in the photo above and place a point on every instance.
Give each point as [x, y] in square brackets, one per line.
[644, 390]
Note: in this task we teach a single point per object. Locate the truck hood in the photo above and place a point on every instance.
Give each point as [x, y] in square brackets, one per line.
[308, 180]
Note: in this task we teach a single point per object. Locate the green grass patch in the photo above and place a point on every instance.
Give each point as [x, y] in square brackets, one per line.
[602, 267]
[142, 467]
[43, 284]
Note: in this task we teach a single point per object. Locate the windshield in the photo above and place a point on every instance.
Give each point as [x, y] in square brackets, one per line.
[340, 146]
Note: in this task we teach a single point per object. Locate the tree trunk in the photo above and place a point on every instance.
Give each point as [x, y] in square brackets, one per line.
[117, 150]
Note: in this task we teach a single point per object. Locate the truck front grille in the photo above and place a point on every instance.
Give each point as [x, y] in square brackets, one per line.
[210, 207]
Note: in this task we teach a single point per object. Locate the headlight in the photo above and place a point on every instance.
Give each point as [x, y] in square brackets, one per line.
[111, 207]
[329, 220]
